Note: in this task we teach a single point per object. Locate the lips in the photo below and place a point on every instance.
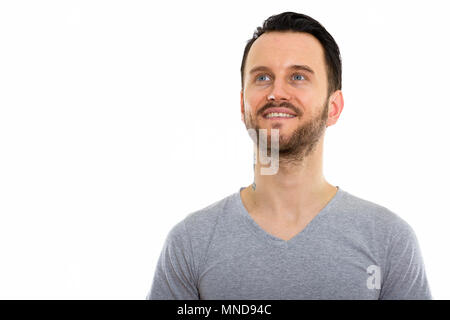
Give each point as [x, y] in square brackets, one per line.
[279, 110]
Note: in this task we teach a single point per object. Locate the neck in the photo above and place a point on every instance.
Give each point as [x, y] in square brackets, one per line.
[295, 192]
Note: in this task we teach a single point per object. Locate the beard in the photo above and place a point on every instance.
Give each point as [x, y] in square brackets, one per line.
[296, 147]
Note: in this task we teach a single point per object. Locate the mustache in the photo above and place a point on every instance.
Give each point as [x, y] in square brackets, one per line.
[284, 104]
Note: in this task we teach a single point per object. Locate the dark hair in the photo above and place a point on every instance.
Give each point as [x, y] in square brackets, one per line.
[292, 21]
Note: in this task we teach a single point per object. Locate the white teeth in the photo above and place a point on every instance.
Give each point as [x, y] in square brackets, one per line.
[277, 114]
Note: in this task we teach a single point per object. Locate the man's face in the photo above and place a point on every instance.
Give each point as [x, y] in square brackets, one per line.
[272, 80]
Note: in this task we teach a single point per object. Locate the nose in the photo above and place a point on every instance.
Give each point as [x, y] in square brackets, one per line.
[278, 91]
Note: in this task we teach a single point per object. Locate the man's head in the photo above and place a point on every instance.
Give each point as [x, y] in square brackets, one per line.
[293, 63]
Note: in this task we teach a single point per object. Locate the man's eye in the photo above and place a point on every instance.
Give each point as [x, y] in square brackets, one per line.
[297, 77]
[261, 77]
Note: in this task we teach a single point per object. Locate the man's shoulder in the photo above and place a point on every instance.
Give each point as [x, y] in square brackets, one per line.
[368, 212]
[209, 214]
[194, 233]
[201, 222]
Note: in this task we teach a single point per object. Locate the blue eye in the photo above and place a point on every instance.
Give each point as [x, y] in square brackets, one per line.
[261, 76]
[298, 75]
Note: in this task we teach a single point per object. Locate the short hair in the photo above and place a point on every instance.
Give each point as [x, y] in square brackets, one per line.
[297, 22]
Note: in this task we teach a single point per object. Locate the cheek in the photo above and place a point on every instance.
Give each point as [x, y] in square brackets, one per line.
[250, 104]
[254, 99]
[305, 95]
[308, 101]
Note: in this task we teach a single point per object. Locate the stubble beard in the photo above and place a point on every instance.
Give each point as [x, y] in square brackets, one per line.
[304, 139]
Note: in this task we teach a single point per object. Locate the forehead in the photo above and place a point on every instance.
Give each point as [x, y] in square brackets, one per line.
[279, 50]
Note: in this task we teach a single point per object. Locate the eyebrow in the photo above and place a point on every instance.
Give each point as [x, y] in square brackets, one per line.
[293, 67]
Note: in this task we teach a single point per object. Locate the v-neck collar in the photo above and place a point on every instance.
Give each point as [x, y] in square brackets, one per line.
[264, 235]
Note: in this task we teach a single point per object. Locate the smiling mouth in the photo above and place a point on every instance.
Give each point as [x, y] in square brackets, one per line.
[278, 116]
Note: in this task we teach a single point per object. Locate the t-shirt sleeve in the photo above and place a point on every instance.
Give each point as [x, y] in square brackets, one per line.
[174, 278]
[405, 277]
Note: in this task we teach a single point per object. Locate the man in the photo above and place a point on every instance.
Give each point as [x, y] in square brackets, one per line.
[291, 234]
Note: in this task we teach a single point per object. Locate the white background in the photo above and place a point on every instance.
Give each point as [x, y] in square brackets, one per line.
[119, 118]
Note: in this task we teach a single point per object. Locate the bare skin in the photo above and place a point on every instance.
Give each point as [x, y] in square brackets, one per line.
[283, 204]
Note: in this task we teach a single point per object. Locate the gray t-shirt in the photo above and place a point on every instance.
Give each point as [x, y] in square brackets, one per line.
[352, 249]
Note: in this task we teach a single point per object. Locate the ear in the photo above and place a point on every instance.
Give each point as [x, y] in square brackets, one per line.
[335, 107]
[242, 106]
